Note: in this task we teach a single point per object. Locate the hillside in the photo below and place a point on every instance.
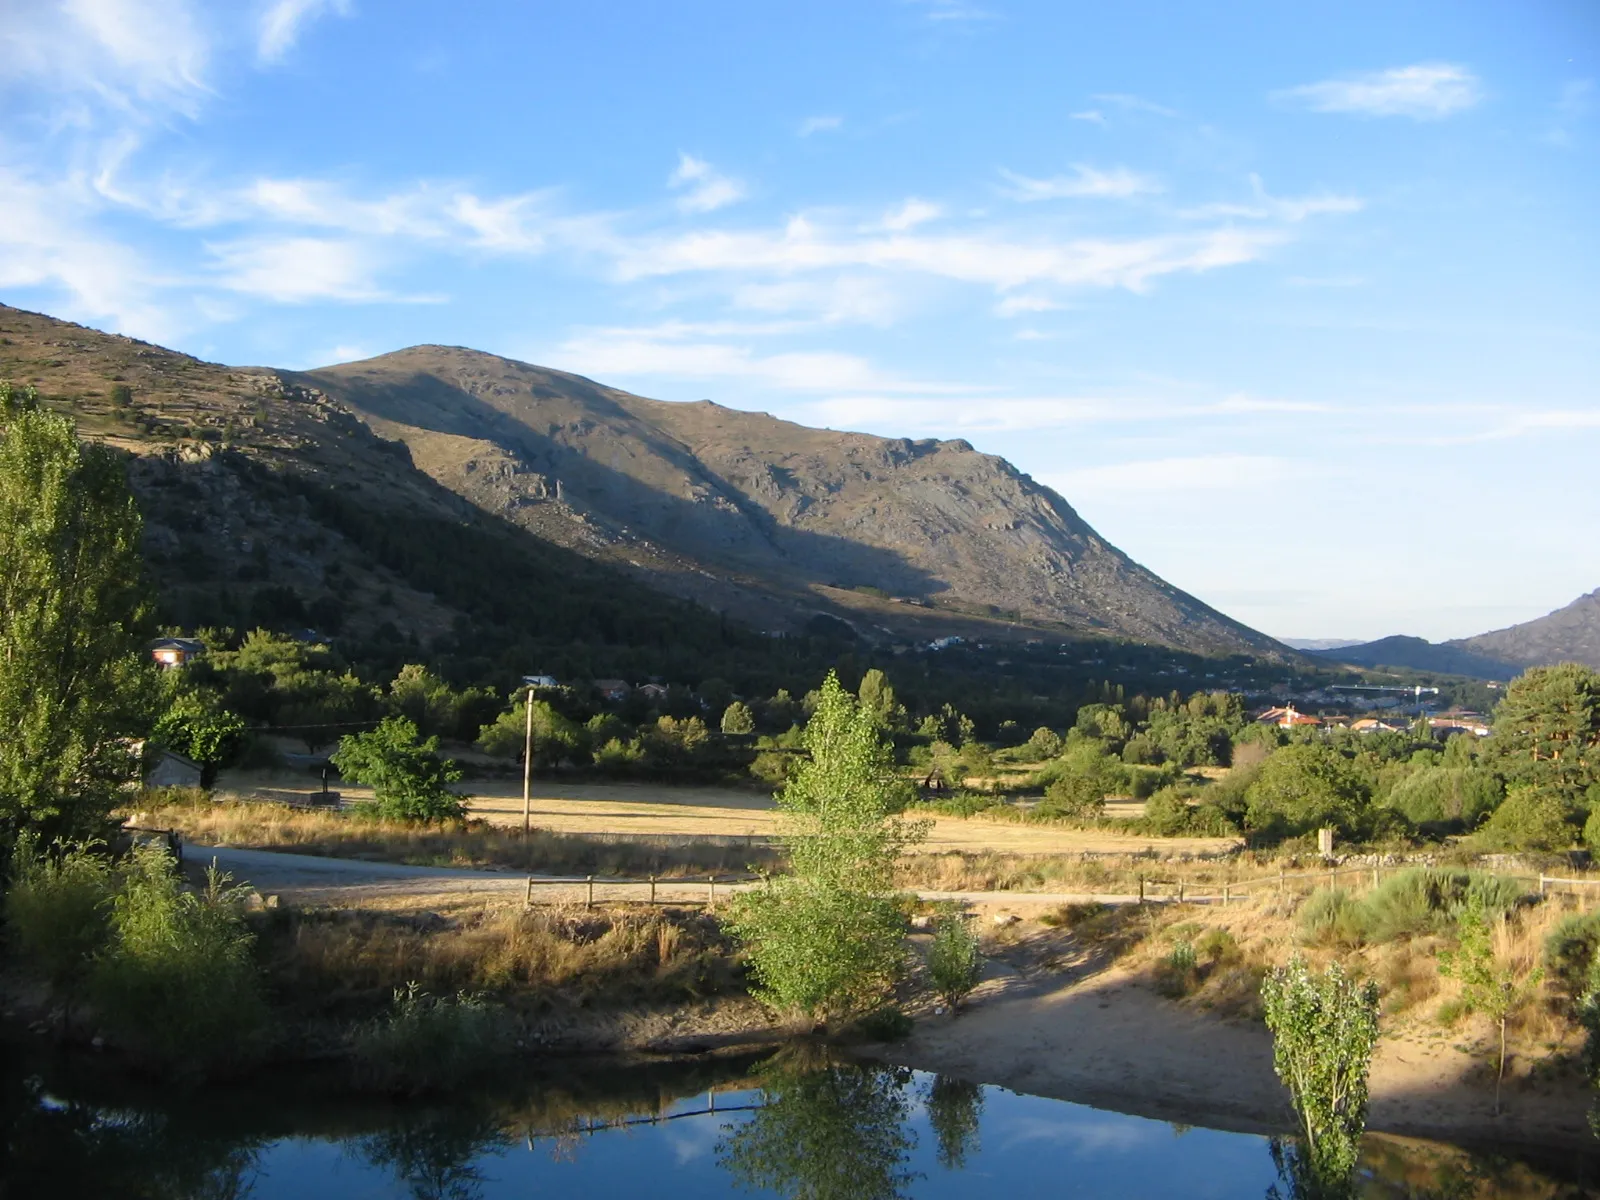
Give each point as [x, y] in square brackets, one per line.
[769, 520]
[1570, 634]
[526, 519]
[1419, 654]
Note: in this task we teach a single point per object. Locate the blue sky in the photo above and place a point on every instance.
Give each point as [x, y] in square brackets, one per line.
[1297, 304]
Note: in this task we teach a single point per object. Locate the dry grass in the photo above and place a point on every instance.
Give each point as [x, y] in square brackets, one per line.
[355, 960]
[270, 826]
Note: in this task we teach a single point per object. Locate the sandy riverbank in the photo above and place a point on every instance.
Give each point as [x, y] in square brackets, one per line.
[1112, 1042]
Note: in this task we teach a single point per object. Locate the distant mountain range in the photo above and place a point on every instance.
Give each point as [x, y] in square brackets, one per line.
[1570, 634]
[1319, 643]
[404, 494]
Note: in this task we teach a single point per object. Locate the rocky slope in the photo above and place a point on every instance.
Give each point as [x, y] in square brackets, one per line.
[762, 517]
[1570, 634]
[400, 496]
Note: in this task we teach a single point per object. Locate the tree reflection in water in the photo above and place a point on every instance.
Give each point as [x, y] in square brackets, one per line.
[834, 1132]
[1308, 1176]
[955, 1111]
[433, 1153]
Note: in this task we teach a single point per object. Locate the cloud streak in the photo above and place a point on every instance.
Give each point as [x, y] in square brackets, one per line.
[702, 189]
[283, 21]
[1085, 182]
[1423, 92]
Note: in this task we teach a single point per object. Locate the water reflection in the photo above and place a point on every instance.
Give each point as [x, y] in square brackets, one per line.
[438, 1156]
[825, 1131]
[795, 1125]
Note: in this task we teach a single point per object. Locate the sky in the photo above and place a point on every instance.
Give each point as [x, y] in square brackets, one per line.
[1299, 305]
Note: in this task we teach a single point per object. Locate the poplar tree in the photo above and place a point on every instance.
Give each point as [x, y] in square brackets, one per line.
[71, 608]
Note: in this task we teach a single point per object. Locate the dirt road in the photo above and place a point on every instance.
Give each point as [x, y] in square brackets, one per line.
[351, 882]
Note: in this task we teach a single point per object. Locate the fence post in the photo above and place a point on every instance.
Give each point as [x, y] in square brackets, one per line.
[652, 890]
[1374, 878]
[1227, 894]
[589, 903]
[527, 900]
[1141, 889]
[711, 904]
[1180, 891]
[1541, 883]
[1280, 880]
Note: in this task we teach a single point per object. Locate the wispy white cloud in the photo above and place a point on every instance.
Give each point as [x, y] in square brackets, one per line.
[813, 125]
[952, 10]
[1092, 115]
[126, 54]
[1085, 182]
[1241, 403]
[1424, 91]
[853, 298]
[1264, 207]
[909, 215]
[1132, 103]
[298, 270]
[703, 189]
[283, 21]
[1012, 306]
[979, 257]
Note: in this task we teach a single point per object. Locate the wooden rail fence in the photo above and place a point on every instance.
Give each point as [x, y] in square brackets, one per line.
[1242, 889]
[649, 885]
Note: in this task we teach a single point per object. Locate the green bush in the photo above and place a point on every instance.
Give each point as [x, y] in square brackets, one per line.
[425, 1042]
[1331, 917]
[1170, 814]
[1074, 796]
[1430, 900]
[1571, 951]
[409, 780]
[58, 909]
[1449, 796]
[1530, 818]
[954, 963]
[960, 804]
[178, 978]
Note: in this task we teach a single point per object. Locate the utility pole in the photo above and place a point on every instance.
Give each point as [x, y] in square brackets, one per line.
[527, 770]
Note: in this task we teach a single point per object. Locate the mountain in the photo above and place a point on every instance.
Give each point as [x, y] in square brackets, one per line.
[1570, 634]
[1319, 643]
[764, 518]
[435, 493]
[1419, 654]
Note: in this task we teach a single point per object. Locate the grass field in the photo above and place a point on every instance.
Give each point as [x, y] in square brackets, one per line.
[698, 813]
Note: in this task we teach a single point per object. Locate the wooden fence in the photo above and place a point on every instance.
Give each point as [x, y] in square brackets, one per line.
[1247, 889]
[649, 888]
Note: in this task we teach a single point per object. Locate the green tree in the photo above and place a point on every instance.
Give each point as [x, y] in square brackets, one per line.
[1487, 986]
[1531, 817]
[71, 608]
[1547, 728]
[1044, 744]
[409, 780]
[826, 940]
[1324, 1029]
[555, 738]
[738, 719]
[878, 698]
[196, 725]
[1305, 787]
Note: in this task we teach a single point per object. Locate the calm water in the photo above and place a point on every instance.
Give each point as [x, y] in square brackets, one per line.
[793, 1125]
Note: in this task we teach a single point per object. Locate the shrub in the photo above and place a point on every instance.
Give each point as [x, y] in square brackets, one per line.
[178, 978]
[1458, 796]
[428, 1042]
[1429, 900]
[57, 908]
[1530, 818]
[1169, 813]
[1178, 973]
[954, 963]
[1570, 951]
[1589, 1018]
[961, 804]
[1330, 917]
[1074, 796]
[885, 1024]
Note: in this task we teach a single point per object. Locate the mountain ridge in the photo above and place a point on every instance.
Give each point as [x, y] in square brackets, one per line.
[371, 493]
[780, 515]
